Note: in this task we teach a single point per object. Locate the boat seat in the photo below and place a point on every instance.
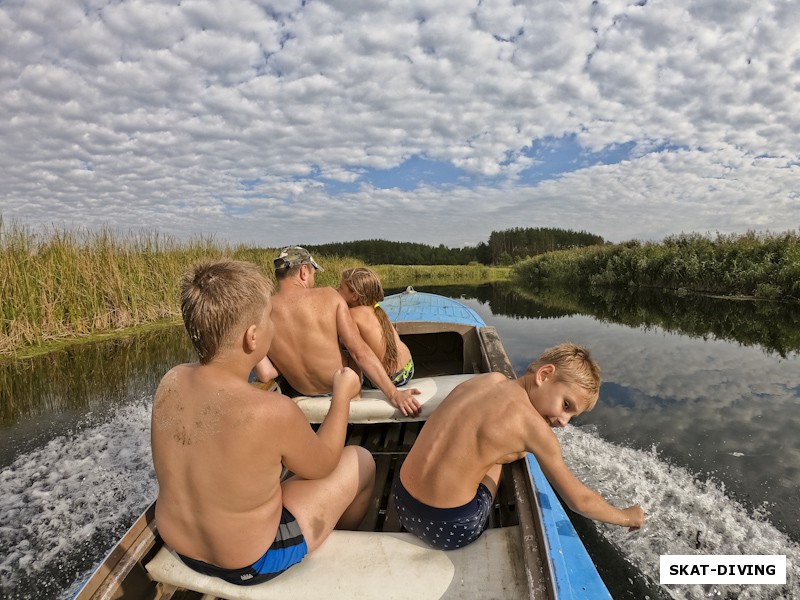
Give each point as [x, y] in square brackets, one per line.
[373, 406]
[358, 565]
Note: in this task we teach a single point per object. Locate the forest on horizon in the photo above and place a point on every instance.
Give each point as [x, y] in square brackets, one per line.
[503, 248]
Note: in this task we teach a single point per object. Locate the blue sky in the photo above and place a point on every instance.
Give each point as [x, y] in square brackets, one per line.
[280, 122]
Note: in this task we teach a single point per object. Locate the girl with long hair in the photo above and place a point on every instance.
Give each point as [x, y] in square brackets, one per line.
[361, 289]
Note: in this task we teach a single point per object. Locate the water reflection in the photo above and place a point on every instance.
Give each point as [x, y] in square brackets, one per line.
[774, 327]
[48, 395]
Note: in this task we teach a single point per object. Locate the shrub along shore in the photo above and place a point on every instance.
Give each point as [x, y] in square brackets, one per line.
[60, 285]
[760, 266]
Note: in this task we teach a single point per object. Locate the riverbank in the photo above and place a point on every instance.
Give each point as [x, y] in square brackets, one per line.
[761, 266]
[63, 286]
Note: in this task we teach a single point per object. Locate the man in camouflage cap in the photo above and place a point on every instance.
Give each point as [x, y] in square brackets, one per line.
[309, 325]
[294, 256]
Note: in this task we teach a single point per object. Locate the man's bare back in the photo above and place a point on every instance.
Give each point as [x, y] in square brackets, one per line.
[306, 346]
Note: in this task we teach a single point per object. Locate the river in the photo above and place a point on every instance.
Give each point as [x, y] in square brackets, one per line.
[697, 421]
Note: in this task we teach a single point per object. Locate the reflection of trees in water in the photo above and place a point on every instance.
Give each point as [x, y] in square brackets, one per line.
[89, 376]
[773, 326]
[501, 296]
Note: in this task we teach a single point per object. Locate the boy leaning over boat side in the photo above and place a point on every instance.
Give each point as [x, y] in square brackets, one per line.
[220, 444]
[448, 481]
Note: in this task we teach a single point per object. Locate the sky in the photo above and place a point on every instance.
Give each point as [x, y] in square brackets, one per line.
[281, 122]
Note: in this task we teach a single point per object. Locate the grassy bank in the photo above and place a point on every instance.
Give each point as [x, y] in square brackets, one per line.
[763, 266]
[60, 285]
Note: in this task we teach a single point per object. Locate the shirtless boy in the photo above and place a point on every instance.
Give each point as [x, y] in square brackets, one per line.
[449, 479]
[309, 325]
[219, 445]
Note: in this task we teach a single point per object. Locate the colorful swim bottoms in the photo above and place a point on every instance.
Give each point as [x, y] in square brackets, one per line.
[288, 549]
[444, 528]
[402, 377]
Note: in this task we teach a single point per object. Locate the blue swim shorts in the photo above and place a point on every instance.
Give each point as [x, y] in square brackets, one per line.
[444, 528]
[288, 549]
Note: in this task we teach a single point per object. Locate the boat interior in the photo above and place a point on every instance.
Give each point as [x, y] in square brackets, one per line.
[495, 566]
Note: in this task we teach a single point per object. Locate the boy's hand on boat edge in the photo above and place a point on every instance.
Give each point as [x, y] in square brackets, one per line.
[405, 402]
[347, 383]
[635, 515]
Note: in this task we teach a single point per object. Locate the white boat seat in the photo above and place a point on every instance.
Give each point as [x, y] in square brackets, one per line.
[356, 565]
[373, 406]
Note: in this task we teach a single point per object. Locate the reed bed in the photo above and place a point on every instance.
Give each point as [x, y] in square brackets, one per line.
[58, 285]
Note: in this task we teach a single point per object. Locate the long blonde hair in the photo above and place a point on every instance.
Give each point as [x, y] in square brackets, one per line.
[366, 285]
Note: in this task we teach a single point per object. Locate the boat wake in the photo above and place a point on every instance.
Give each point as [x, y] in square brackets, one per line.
[683, 515]
[65, 504]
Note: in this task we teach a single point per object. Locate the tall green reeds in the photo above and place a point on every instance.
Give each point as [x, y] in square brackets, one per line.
[759, 265]
[58, 284]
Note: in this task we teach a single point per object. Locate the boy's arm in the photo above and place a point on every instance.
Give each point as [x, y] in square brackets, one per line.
[314, 455]
[369, 363]
[580, 498]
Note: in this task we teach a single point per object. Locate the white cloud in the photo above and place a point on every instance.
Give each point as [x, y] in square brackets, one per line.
[155, 111]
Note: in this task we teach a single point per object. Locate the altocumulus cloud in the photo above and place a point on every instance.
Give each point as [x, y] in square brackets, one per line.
[288, 121]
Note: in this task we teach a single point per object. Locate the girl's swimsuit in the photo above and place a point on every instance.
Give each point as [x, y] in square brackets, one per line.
[444, 528]
[288, 549]
[402, 377]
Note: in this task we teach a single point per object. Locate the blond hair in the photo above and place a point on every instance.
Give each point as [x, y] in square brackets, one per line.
[366, 285]
[573, 365]
[219, 296]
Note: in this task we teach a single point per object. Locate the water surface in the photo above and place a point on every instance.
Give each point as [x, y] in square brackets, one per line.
[697, 422]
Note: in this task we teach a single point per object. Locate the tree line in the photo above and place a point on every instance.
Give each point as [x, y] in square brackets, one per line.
[503, 248]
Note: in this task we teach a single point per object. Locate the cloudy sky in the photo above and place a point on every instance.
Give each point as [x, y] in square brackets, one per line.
[433, 121]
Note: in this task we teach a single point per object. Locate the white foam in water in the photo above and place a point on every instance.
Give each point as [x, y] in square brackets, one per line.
[71, 490]
[683, 515]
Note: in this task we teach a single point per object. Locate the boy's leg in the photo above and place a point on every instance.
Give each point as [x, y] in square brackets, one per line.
[492, 479]
[339, 500]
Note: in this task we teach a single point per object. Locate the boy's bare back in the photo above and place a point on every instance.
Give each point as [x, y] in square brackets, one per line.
[478, 425]
[216, 443]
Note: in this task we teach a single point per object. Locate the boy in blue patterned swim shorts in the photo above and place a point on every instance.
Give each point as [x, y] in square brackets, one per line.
[447, 484]
[220, 445]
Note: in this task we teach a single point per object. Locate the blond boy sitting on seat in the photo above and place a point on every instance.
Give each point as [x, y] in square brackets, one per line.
[220, 445]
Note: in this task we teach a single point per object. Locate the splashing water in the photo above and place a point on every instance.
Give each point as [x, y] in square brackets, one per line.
[683, 515]
[64, 505]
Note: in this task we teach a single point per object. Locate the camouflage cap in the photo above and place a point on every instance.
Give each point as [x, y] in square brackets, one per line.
[291, 256]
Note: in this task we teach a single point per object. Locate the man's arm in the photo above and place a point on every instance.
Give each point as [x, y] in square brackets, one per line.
[580, 498]
[265, 370]
[371, 365]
